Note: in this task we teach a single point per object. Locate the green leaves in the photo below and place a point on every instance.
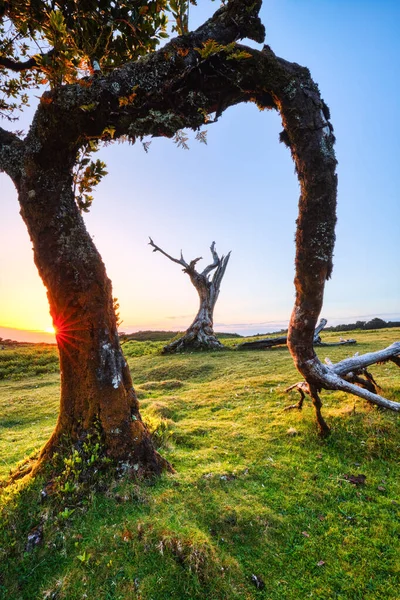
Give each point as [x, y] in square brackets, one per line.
[211, 47]
[180, 12]
[89, 107]
[56, 25]
[239, 55]
[84, 557]
[87, 175]
[60, 41]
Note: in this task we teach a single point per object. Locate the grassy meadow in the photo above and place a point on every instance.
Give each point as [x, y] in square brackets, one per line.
[259, 507]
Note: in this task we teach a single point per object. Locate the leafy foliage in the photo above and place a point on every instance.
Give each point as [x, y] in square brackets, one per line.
[116, 307]
[56, 42]
[87, 174]
[180, 12]
[201, 136]
[211, 47]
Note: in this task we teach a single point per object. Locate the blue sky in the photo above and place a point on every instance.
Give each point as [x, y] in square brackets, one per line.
[240, 190]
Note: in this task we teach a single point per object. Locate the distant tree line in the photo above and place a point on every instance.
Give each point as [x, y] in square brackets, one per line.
[375, 323]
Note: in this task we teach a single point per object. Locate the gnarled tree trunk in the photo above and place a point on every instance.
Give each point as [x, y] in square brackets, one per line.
[96, 386]
[200, 335]
[309, 134]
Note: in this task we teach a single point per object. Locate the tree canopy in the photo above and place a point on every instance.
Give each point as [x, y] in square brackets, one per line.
[57, 42]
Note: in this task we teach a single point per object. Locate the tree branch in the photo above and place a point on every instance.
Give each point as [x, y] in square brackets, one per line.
[356, 363]
[11, 154]
[18, 66]
[215, 264]
[280, 341]
[133, 99]
[343, 375]
[220, 272]
[180, 261]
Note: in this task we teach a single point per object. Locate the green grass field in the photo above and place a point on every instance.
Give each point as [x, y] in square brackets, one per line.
[259, 506]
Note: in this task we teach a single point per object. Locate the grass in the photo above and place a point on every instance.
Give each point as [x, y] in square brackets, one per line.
[257, 498]
[17, 362]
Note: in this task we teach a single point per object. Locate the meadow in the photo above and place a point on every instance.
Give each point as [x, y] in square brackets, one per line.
[259, 506]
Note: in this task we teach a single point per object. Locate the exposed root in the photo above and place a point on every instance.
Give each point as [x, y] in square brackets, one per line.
[316, 400]
[303, 389]
[193, 341]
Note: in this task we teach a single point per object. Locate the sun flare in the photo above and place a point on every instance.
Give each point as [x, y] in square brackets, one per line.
[50, 330]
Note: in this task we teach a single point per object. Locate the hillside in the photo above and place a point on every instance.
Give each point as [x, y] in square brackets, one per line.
[259, 506]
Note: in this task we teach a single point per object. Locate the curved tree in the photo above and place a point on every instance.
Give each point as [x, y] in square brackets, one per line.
[192, 79]
[200, 335]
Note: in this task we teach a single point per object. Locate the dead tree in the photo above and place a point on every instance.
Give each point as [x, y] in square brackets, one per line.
[200, 335]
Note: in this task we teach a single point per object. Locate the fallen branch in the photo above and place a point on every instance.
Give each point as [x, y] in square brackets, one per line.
[349, 375]
[348, 342]
[262, 344]
[282, 340]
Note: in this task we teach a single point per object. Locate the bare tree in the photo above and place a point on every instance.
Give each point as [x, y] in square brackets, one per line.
[200, 335]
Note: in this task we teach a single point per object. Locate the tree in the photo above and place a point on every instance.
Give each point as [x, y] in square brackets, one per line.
[200, 335]
[133, 91]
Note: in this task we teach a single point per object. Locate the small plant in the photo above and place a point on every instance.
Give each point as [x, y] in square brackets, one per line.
[161, 431]
[66, 513]
[81, 469]
[84, 558]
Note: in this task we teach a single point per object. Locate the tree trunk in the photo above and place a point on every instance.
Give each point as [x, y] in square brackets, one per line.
[200, 335]
[96, 386]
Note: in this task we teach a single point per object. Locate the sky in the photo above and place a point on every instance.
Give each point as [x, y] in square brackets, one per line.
[240, 191]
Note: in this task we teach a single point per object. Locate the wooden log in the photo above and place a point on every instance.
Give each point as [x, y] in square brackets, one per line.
[282, 340]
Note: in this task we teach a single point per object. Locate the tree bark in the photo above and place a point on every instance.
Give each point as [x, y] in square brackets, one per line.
[96, 386]
[200, 335]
